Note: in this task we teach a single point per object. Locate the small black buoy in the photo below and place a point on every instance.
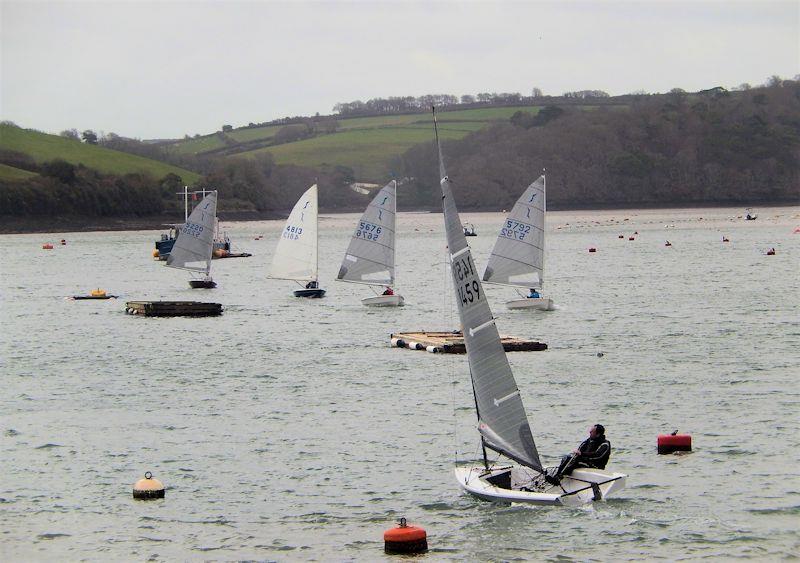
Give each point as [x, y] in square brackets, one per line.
[148, 488]
[405, 539]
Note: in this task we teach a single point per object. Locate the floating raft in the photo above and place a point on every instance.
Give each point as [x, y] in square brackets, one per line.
[173, 308]
[453, 342]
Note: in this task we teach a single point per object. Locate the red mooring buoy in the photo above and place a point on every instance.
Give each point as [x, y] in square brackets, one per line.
[405, 539]
[670, 443]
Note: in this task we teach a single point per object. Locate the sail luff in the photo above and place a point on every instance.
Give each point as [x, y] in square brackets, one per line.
[502, 424]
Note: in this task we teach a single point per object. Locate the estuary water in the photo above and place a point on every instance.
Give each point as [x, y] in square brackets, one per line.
[289, 429]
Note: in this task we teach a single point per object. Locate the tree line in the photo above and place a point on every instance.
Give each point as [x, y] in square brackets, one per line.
[674, 149]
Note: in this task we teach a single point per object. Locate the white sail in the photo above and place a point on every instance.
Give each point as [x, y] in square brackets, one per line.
[296, 254]
[518, 254]
[195, 242]
[502, 422]
[369, 258]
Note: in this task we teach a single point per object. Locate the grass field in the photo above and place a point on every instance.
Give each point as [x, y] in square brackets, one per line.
[10, 173]
[368, 144]
[43, 147]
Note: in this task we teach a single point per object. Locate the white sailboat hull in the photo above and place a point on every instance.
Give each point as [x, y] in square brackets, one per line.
[582, 486]
[383, 301]
[538, 303]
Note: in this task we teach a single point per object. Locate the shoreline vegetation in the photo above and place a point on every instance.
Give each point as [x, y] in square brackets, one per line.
[76, 224]
[711, 148]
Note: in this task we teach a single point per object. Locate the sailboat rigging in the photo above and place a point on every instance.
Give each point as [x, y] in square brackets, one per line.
[296, 255]
[193, 248]
[517, 259]
[370, 256]
[502, 422]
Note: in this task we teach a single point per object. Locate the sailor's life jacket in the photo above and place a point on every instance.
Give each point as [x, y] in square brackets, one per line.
[595, 452]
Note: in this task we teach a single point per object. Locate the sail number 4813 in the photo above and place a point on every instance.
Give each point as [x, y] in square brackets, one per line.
[467, 285]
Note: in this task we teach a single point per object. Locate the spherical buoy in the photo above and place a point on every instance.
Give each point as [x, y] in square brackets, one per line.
[670, 443]
[148, 488]
[98, 292]
[405, 539]
[156, 253]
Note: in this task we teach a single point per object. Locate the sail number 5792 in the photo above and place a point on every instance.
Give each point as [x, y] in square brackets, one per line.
[467, 285]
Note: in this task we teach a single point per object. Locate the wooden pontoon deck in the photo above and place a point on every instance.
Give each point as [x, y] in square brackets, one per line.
[453, 342]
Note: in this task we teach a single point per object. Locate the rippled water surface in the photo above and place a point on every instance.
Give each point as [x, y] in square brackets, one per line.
[289, 429]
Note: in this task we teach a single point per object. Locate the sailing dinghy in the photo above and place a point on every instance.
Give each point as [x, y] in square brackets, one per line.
[502, 422]
[369, 258]
[195, 243]
[296, 254]
[517, 258]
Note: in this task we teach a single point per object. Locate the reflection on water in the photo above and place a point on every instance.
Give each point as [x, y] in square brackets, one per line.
[289, 429]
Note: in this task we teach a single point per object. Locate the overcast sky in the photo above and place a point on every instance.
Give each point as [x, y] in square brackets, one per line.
[165, 69]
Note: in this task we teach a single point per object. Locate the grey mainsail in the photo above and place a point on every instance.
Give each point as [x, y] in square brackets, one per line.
[369, 258]
[518, 255]
[195, 242]
[501, 415]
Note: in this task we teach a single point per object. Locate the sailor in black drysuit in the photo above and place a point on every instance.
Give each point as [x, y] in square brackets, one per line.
[593, 452]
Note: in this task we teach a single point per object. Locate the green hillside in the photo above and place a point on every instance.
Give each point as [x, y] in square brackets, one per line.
[369, 144]
[10, 173]
[43, 147]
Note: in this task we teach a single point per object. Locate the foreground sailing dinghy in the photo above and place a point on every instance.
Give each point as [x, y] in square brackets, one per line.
[517, 258]
[296, 254]
[369, 258]
[502, 422]
[194, 246]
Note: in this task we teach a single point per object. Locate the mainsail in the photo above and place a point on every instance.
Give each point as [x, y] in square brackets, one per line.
[195, 242]
[501, 415]
[369, 258]
[296, 255]
[518, 254]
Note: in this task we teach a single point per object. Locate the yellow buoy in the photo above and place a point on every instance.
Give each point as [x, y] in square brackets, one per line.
[155, 253]
[148, 488]
[98, 292]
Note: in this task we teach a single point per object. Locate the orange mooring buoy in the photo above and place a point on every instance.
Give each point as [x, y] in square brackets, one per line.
[148, 488]
[670, 443]
[405, 539]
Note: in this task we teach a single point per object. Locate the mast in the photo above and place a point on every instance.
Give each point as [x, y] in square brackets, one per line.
[544, 221]
[185, 203]
[316, 266]
[502, 422]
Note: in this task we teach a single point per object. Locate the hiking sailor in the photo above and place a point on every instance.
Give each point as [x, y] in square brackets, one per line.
[593, 452]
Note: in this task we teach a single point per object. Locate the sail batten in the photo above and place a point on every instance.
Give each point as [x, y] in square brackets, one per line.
[370, 256]
[517, 258]
[296, 254]
[502, 421]
[195, 241]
